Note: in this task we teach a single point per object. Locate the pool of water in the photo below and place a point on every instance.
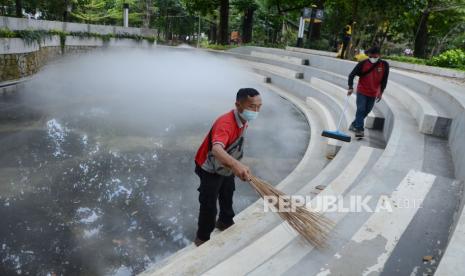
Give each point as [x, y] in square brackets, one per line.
[86, 191]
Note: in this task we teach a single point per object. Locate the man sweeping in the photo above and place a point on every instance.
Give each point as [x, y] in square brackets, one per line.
[373, 76]
[217, 162]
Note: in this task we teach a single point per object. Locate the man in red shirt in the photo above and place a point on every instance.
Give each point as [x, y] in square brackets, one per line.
[217, 162]
[373, 76]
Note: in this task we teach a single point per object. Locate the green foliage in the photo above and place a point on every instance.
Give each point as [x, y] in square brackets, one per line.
[31, 36]
[5, 33]
[217, 47]
[393, 23]
[452, 59]
[151, 39]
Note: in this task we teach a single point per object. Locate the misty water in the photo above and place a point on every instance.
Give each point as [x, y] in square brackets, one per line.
[96, 158]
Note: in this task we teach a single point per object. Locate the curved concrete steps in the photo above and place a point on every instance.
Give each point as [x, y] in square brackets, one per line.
[332, 101]
[452, 261]
[412, 166]
[360, 188]
[273, 242]
[431, 118]
[283, 58]
[301, 89]
[375, 119]
[310, 261]
[310, 74]
[330, 123]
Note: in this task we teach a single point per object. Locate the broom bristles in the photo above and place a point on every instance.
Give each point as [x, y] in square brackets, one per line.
[313, 226]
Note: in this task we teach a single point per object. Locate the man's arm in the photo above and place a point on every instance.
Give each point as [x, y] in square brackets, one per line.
[355, 72]
[239, 169]
[385, 77]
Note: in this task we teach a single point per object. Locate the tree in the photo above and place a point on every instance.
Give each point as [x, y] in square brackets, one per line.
[421, 35]
[19, 8]
[248, 8]
[223, 35]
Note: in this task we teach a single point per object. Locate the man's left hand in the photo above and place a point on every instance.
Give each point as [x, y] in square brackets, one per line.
[379, 97]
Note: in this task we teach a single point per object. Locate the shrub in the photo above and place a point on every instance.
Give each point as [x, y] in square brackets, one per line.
[5, 33]
[452, 59]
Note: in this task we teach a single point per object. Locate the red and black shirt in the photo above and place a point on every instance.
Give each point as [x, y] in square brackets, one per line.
[225, 131]
[374, 82]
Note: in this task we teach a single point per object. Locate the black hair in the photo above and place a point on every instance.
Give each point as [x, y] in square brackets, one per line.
[245, 93]
[373, 50]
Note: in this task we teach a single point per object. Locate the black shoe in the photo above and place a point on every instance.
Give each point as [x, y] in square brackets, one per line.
[352, 128]
[359, 134]
[198, 242]
[223, 226]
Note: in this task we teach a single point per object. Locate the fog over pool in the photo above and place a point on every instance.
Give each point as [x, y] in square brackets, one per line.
[96, 157]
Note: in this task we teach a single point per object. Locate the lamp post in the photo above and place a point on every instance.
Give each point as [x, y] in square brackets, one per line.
[312, 21]
[305, 14]
[126, 15]
[198, 35]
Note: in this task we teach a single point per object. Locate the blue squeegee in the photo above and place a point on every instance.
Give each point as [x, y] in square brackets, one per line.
[337, 134]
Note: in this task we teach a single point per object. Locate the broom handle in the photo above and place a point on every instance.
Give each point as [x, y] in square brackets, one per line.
[343, 112]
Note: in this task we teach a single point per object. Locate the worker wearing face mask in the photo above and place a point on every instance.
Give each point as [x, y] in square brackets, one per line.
[218, 160]
[373, 76]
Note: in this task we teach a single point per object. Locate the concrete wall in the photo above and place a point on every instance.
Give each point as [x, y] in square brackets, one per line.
[19, 59]
[15, 24]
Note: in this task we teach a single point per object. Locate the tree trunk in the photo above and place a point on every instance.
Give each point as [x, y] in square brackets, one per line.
[19, 8]
[421, 36]
[213, 33]
[65, 12]
[350, 48]
[383, 38]
[247, 25]
[316, 32]
[146, 21]
[223, 36]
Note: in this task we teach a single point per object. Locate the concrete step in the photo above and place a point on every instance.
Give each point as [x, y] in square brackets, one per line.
[283, 58]
[374, 138]
[231, 242]
[297, 257]
[292, 70]
[452, 260]
[375, 240]
[332, 102]
[246, 260]
[299, 88]
[373, 121]
[262, 245]
[431, 120]
[330, 122]
[311, 51]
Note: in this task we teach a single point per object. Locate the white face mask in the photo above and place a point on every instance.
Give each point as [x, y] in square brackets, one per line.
[373, 60]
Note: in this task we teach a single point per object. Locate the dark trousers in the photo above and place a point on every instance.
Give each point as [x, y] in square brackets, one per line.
[364, 106]
[345, 45]
[214, 187]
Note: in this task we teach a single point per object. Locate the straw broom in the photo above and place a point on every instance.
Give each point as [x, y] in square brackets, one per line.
[311, 225]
